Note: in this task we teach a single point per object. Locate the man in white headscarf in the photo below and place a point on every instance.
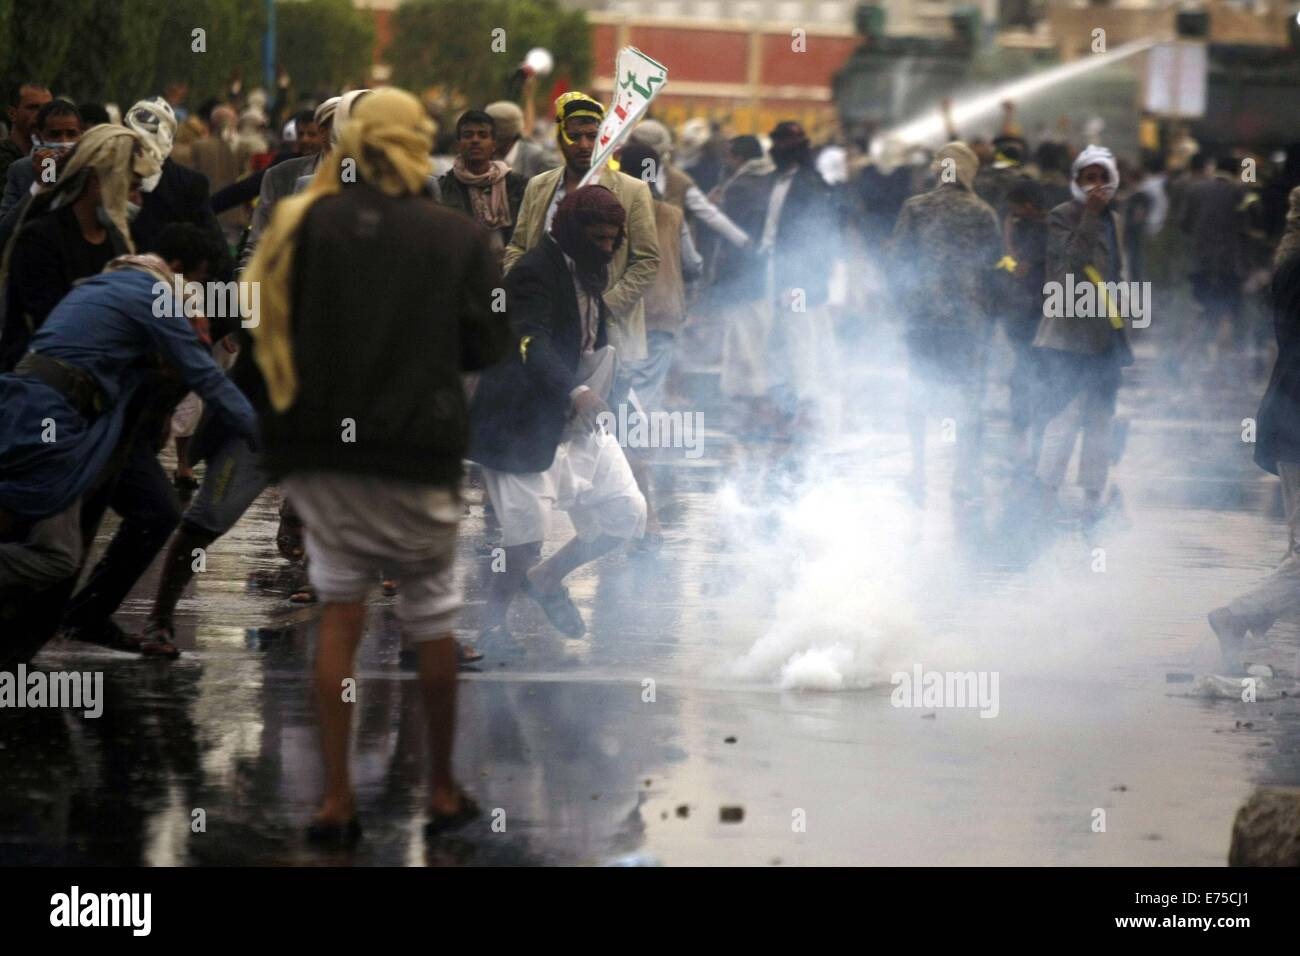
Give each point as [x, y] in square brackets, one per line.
[176, 193]
[1083, 353]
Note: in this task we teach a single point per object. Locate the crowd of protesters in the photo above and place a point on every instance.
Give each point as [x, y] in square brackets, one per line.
[506, 308]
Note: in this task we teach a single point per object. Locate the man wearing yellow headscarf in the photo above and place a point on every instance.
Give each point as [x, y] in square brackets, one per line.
[374, 300]
[577, 121]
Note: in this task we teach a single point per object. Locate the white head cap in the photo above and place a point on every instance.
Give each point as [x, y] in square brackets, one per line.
[325, 112]
[347, 102]
[155, 121]
[1094, 156]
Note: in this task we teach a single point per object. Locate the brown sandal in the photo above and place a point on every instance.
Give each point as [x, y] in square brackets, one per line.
[158, 640]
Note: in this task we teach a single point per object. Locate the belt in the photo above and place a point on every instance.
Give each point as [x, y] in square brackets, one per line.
[75, 384]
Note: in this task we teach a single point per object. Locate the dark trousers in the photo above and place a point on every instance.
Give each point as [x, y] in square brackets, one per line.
[1025, 381]
[150, 511]
[134, 485]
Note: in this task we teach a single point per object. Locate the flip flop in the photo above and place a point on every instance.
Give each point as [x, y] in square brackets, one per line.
[159, 640]
[559, 607]
[441, 823]
[304, 595]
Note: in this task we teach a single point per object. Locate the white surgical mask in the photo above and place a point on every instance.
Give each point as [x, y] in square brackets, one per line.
[38, 144]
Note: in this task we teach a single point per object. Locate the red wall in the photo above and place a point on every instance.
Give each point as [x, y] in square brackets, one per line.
[701, 56]
[821, 57]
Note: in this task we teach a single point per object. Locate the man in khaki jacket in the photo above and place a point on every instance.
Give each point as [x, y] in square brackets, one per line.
[577, 120]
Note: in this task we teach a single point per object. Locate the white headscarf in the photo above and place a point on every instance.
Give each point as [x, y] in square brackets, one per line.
[833, 164]
[692, 137]
[155, 122]
[1094, 156]
[325, 112]
[347, 103]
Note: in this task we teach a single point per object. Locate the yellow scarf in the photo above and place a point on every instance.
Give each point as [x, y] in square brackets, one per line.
[386, 144]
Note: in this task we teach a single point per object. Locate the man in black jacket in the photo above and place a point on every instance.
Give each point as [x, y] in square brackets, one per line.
[779, 349]
[367, 424]
[177, 193]
[1277, 449]
[539, 417]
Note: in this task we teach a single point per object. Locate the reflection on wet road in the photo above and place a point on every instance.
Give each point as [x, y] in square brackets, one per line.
[746, 665]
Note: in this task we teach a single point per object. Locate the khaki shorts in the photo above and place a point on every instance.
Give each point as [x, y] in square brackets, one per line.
[359, 527]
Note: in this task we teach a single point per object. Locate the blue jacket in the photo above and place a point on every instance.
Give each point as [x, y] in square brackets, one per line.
[49, 454]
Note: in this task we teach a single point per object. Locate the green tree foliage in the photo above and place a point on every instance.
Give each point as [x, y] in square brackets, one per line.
[121, 50]
[324, 44]
[449, 43]
[232, 36]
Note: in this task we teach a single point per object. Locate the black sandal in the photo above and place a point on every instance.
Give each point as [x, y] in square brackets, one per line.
[443, 822]
[466, 656]
[304, 595]
[335, 835]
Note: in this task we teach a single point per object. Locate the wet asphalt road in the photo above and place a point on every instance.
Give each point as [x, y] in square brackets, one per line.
[784, 569]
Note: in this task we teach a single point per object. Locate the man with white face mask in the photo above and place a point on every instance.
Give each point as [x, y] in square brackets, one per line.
[176, 193]
[72, 231]
[58, 127]
[1082, 355]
